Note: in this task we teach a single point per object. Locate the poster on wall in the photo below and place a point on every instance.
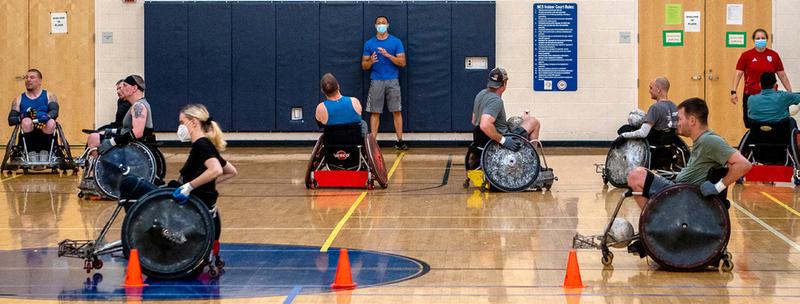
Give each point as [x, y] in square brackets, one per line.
[555, 47]
[58, 23]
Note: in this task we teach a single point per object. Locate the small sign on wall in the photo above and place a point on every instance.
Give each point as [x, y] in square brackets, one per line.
[58, 22]
[735, 39]
[691, 21]
[672, 38]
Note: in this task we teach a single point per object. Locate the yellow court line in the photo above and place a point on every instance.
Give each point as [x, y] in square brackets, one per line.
[780, 203]
[10, 178]
[340, 224]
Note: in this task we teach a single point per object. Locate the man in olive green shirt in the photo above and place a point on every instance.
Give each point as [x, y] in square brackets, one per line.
[709, 151]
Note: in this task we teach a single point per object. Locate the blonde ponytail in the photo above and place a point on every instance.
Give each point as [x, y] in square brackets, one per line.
[210, 127]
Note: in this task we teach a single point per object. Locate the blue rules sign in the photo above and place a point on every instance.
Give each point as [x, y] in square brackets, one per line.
[555, 47]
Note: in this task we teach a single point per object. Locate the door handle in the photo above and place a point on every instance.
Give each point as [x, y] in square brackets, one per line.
[697, 77]
[22, 77]
[711, 75]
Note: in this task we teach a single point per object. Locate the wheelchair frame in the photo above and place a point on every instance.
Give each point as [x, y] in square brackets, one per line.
[59, 145]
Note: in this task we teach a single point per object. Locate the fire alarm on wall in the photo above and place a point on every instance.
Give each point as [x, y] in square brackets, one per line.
[128, 1]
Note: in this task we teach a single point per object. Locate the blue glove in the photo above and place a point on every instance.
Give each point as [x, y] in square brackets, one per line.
[42, 117]
[509, 143]
[181, 194]
[710, 189]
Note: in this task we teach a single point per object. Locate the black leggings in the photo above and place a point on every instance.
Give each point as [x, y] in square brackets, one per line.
[744, 110]
[134, 187]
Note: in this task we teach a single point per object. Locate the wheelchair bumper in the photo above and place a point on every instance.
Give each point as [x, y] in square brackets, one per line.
[341, 179]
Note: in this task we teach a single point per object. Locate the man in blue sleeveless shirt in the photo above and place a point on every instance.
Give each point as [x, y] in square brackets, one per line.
[34, 106]
[384, 56]
[337, 109]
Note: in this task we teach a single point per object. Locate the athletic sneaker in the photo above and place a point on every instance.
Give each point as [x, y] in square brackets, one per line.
[400, 145]
[33, 156]
[44, 156]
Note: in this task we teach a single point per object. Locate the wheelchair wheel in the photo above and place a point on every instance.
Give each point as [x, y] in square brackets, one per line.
[510, 171]
[133, 159]
[375, 159]
[174, 240]
[623, 157]
[683, 231]
[161, 163]
[316, 156]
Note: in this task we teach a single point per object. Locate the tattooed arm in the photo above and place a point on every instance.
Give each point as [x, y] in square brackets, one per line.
[139, 119]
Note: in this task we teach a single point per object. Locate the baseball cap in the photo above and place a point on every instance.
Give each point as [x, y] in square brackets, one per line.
[496, 77]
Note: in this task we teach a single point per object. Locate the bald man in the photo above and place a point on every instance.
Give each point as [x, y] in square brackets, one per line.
[662, 115]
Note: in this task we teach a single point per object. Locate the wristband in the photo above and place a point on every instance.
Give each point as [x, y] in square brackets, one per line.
[720, 185]
[113, 143]
[503, 140]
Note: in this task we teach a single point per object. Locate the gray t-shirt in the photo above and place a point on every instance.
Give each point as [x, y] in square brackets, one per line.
[662, 115]
[127, 121]
[487, 102]
[709, 151]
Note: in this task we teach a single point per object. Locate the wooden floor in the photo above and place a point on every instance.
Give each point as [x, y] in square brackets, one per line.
[482, 248]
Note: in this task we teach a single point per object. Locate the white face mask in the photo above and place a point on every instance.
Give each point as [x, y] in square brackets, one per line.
[183, 133]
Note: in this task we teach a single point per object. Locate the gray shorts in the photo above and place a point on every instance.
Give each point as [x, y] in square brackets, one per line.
[384, 90]
[654, 184]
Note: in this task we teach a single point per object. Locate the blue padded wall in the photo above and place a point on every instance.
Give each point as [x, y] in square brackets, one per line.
[297, 66]
[253, 38]
[165, 63]
[340, 46]
[473, 34]
[398, 26]
[251, 62]
[210, 59]
[429, 55]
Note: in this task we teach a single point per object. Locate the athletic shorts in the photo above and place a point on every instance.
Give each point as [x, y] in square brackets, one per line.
[384, 92]
[654, 184]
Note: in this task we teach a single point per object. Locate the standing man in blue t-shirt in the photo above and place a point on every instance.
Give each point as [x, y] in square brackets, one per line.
[384, 56]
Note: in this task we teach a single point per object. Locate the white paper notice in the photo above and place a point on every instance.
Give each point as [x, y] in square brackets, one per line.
[691, 21]
[58, 23]
[735, 14]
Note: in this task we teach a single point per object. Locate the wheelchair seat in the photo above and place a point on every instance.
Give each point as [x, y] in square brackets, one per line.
[767, 143]
[341, 145]
[667, 150]
[345, 158]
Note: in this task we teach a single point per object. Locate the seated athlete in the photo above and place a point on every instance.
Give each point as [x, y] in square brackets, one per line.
[337, 109]
[34, 105]
[661, 116]
[203, 170]
[771, 105]
[123, 106]
[137, 123]
[710, 151]
[489, 114]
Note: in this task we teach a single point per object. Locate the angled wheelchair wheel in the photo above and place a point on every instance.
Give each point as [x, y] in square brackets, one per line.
[173, 240]
[683, 231]
[11, 147]
[623, 157]
[134, 159]
[510, 171]
[375, 159]
[316, 157]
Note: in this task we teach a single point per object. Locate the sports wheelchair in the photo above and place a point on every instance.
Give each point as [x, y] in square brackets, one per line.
[343, 157]
[772, 148]
[173, 240]
[102, 174]
[679, 229]
[490, 166]
[663, 151]
[20, 147]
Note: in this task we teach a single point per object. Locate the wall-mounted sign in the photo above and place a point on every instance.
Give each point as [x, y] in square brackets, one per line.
[691, 21]
[555, 47]
[735, 39]
[734, 14]
[672, 13]
[672, 38]
[58, 23]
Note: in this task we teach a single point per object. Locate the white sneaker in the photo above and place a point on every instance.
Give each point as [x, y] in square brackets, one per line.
[33, 156]
[44, 156]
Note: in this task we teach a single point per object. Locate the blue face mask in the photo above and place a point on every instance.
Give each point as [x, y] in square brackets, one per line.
[381, 28]
[761, 43]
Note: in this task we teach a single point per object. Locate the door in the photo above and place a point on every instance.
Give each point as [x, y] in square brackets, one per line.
[703, 66]
[66, 60]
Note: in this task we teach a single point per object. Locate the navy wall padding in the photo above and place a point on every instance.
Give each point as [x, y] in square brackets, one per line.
[297, 69]
[210, 59]
[429, 55]
[398, 26]
[165, 62]
[340, 46]
[473, 34]
[251, 62]
[253, 38]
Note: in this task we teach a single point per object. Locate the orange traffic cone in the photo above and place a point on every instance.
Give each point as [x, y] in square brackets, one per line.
[573, 277]
[133, 277]
[344, 279]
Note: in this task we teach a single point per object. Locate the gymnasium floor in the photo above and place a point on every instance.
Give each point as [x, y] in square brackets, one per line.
[480, 248]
